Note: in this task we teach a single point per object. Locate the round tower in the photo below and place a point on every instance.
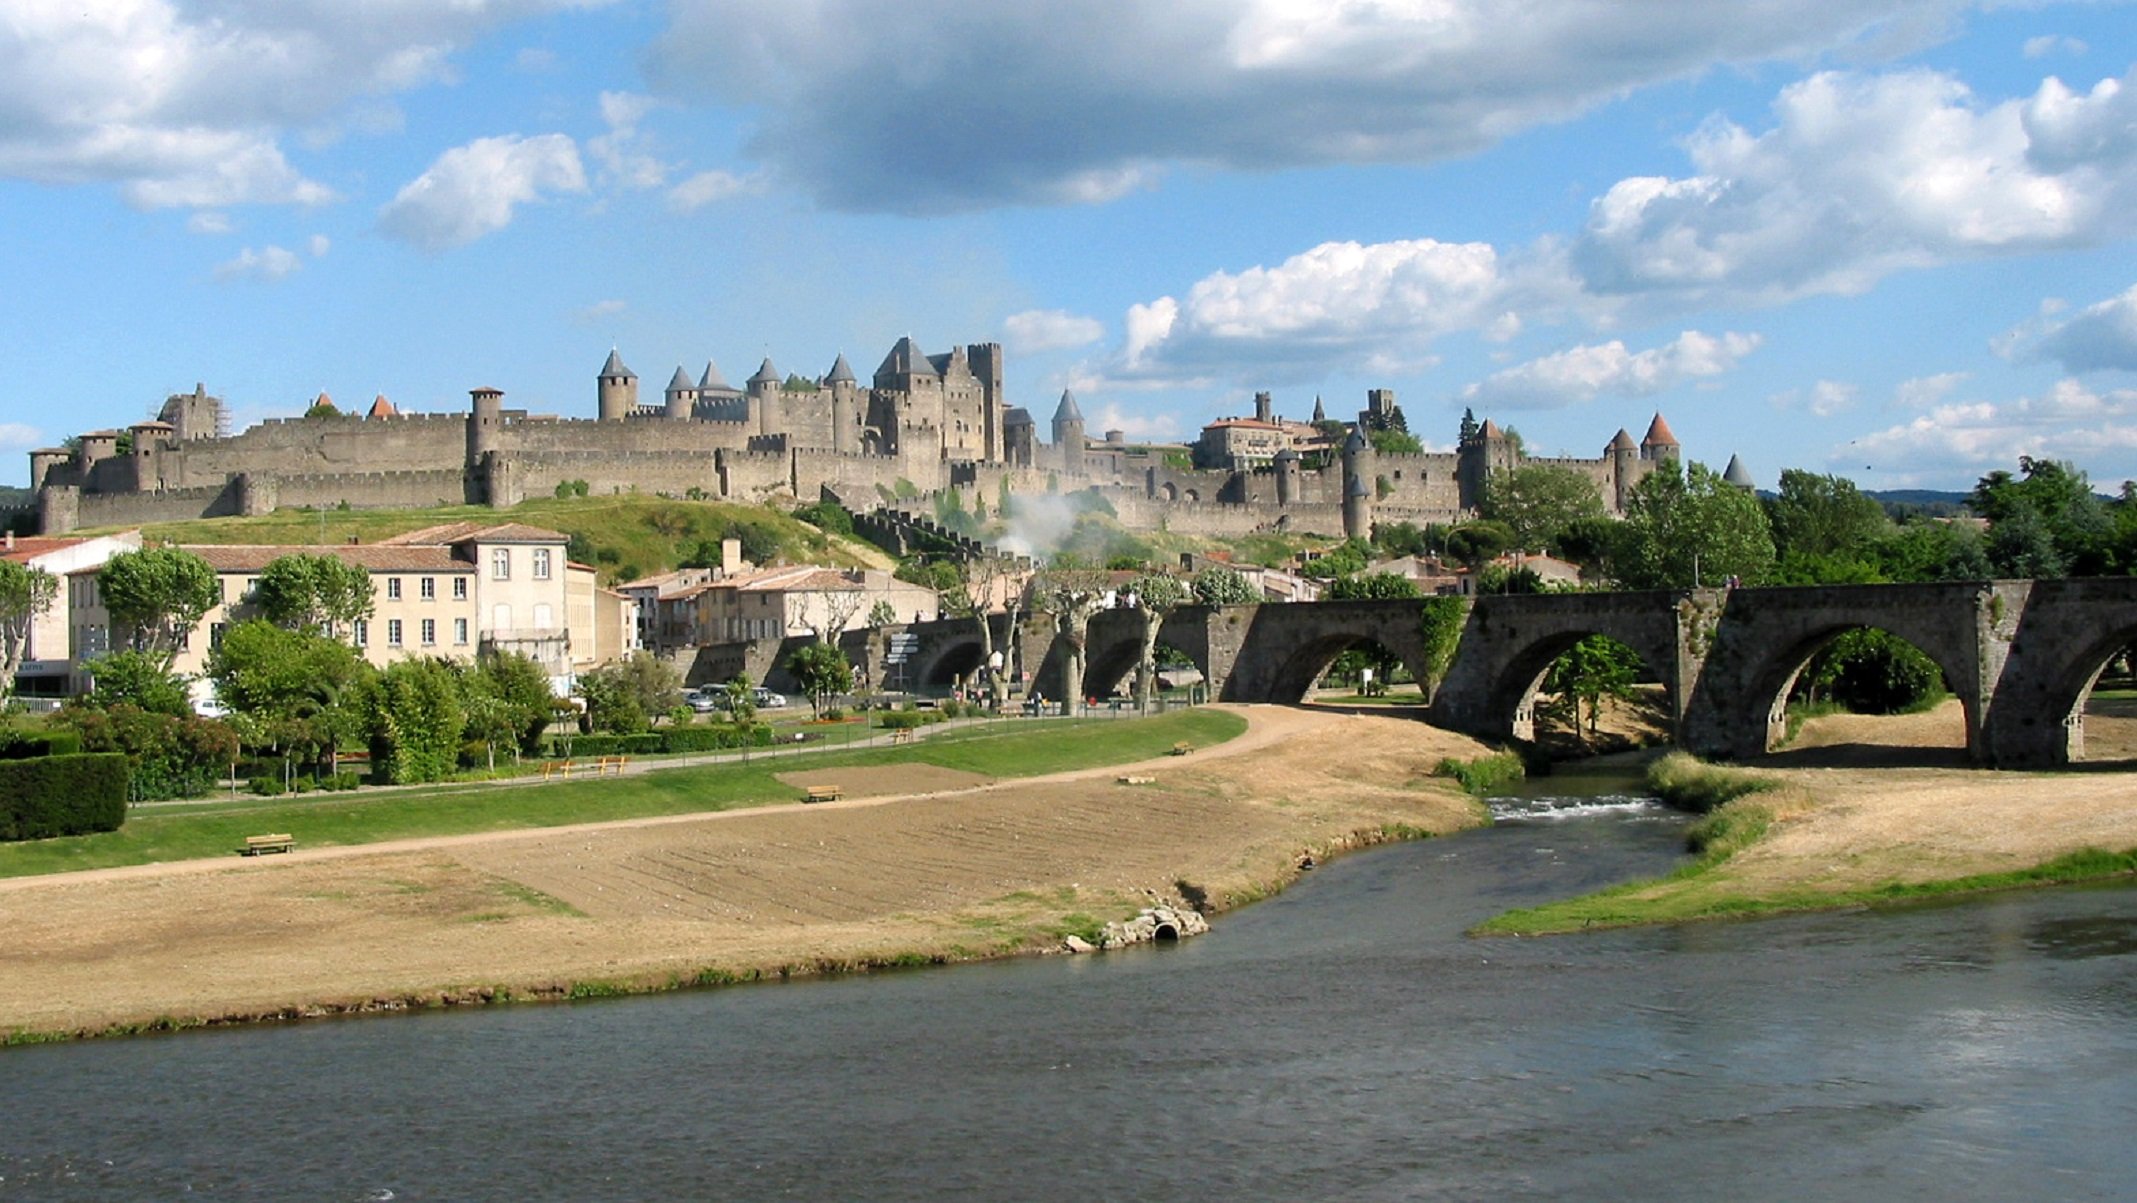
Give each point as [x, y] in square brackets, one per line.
[1068, 434]
[1624, 457]
[485, 419]
[1287, 476]
[763, 390]
[680, 401]
[845, 407]
[1660, 442]
[617, 394]
[1357, 491]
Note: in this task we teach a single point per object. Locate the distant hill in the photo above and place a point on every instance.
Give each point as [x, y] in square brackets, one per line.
[1925, 503]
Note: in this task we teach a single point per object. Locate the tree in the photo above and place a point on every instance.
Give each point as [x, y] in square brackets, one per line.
[1220, 586]
[1824, 516]
[1395, 442]
[1156, 595]
[161, 593]
[1371, 586]
[822, 672]
[2056, 524]
[321, 593]
[1870, 671]
[1072, 593]
[322, 408]
[413, 717]
[1475, 544]
[624, 696]
[296, 687]
[1929, 550]
[1597, 667]
[25, 594]
[839, 608]
[1343, 559]
[977, 587]
[1538, 502]
[515, 699]
[1690, 527]
[130, 678]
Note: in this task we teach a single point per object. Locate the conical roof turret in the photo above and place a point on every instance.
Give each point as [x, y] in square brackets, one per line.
[1659, 434]
[1355, 444]
[712, 377]
[1286, 456]
[841, 372]
[614, 367]
[1738, 475]
[1623, 442]
[1355, 488]
[680, 382]
[906, 358]
[766, 373]
[1067, 410]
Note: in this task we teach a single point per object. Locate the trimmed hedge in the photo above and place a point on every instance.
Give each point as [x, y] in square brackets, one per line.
[28, 745]
[62, 795]
[712, 737]
[905, 720]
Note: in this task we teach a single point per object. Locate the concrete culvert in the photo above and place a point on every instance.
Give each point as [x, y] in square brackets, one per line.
[1165, 931]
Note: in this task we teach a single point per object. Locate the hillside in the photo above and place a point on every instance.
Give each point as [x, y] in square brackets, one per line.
[625, 537]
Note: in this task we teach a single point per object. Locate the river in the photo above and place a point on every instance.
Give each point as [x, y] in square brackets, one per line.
[1341, 1041]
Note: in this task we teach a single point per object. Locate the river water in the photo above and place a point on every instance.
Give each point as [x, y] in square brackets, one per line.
[1341, 1041]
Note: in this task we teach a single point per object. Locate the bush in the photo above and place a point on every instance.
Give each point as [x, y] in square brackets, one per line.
[266, 787]
[1690, 784]
[716, 737]
[62, 795]
[906, 720]
[28, 745]
[341, 781]
[1483, 774]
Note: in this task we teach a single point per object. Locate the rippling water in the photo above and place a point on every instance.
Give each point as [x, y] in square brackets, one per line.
[1342, 1041]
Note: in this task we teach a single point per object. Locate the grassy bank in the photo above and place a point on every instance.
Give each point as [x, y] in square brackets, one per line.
[1008, 750]
[1740, 808]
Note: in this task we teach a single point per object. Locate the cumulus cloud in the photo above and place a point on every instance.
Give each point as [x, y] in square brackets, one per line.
[14, 436]
[1069, 101]
[1138, 427]
[2069, 422]
[625, 153]
[473, 190]
[1581, 374]
[187, 105]
[1923, 392]
[1036, 330]
[598, 312]
[267, 264]
[711, 187]
[1862, 176]
[208, 222]
[2052, 43]
[2096, 338]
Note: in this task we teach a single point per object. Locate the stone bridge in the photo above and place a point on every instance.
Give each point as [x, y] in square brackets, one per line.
[2019, 655]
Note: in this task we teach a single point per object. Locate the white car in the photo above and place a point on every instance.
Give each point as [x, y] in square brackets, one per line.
[767, 700]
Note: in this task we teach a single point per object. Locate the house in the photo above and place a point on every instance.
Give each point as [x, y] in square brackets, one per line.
[48, 670]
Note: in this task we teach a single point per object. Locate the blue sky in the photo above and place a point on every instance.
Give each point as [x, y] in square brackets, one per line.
[1892, 240]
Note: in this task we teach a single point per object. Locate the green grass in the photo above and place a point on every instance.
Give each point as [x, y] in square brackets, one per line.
[1483, 774]
[1004, 750]
[1688, 783]
[636, 534]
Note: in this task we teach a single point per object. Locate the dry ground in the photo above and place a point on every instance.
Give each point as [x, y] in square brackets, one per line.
[932, 862]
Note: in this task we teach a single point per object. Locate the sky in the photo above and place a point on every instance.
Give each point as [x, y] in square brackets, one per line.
[1891, 240]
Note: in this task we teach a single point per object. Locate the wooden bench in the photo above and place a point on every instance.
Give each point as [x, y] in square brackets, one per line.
[1182, 748]
[255, 845]
[822, 793]
[611, 764]
[557, 768]
[903, 735]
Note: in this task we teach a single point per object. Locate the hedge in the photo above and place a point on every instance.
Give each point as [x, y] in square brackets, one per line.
[710, 738]
[27, 745]
[62, 795]
[903, 720]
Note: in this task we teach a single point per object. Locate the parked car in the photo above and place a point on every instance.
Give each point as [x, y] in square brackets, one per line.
[767, 700]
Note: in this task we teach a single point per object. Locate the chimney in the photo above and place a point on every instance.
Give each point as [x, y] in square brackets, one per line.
[730, 557]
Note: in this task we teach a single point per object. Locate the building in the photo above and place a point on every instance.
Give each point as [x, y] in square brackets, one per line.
[48, 667]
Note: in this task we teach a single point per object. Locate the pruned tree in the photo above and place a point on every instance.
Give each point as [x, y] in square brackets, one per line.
[1156, 595]
[839, 606]
[25, 594]
[1072, 593]
[1220, 586]
[982, 582]
[160, 594]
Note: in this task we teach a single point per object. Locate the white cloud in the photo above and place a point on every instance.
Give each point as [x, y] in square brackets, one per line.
[711, 187]
[1831, 397]
[1036, 330]
[208, 222]
[1923, 392]
[14, 436]
[624, 152]
[187, 104]
[269, 263]
[598, 312]
[318, 245]
[534, 60]
[1581, 374]
[870, 106]
[472, 190]
[2096, 338]
[1862, 176]
[1139, 426]
[2052, 43]
[2068, 422]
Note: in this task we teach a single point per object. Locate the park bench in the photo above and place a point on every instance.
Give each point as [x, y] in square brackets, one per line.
[1182, 748]
[611, 764]
[822, 793]
[257, 844]
[557, 768]
[903, 735]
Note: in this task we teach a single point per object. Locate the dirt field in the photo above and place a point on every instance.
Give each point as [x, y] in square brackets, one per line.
[913, 860]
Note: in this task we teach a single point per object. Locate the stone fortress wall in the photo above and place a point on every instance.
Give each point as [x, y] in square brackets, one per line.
[925, 423]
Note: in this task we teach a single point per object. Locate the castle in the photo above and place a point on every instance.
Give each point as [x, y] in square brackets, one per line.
[925, 423]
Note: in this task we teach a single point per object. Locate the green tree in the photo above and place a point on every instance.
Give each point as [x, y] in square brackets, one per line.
[1930, 550]
[624, 696]
[160, 594]
[1220, 586]
[1156, 595]
[1596, 668]
[1395, 442]
[1538, 502]
[1825, 516]
[321, 593]
[1344, 558]
[322, 408]
[413, 717]
[275, 673]
[130, 678]
[2057, 498]
[1371, 586]
[1440, 624]
[25, 594]
[1870, 671]
[1475, 544]
[822, 672]
[1073, 593]
[1690, 527]
[523, 699]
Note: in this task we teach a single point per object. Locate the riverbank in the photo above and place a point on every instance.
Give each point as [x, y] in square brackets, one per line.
[898, 873]
[1864, 812]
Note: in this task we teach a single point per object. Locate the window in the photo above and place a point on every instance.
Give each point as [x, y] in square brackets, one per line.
[459, 588]
[543, 616]
[541, 563]
[500, 563]
[215, 633]
[393, 588]
[427, 588]
[460, 631]
[430, 632]
[361, 633]
[393, 632]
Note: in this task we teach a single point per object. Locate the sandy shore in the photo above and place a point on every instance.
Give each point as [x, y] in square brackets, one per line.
[931, 862]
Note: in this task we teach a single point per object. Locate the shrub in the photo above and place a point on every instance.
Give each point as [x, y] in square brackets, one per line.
[266, 787]
[342, 781]
[716, 736]
[62, 795]
[1483, 774]
[1690, 784]
[906, 720]
[27, 745]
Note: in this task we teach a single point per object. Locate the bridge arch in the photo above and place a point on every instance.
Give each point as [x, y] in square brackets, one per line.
[2066, 693]
[1512, 698]
[945, 664]
[1765, 706]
